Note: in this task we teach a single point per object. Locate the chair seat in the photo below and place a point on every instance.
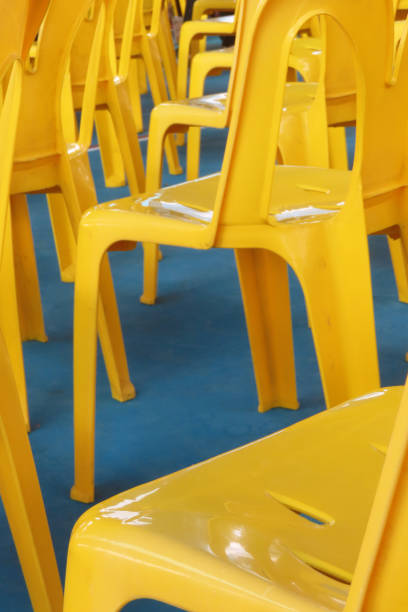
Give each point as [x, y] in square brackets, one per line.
[302, 194]
[297, 97]
[299, 194]
[290, 509]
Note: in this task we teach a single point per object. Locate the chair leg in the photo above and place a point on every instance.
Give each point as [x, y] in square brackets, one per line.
[159, 94]
[22, 499]
[85, 351]
[265, 292]
[338, 148]
[63, 236]
[168, 55]
[28, 288]
[198, 74]
[135, 93]
[111, 337]
[78, 191]
[337, 287]
[142, 76]
[120, 109]
[193, 153]
[86, 579]
[111, 156]
[151, 257]
[9, 320]
[399, 264]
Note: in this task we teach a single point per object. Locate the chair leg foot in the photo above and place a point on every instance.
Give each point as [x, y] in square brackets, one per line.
[289, 404]
[124, 393]
[85, 496]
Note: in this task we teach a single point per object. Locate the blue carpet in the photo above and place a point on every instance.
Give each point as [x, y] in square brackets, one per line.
[189, 359]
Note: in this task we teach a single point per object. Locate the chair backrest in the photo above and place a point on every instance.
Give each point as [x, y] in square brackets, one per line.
[265, 39]
[123, 10]
[19, 22]
[379, 583]
[40, 131]
[385, 66]
[385, 137]
[84, 38]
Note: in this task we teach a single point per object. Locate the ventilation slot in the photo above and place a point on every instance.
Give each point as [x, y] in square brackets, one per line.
[381, 448]
[325, 568]
[313, 515]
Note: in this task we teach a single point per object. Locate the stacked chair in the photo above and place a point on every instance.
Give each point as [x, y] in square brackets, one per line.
[47, 161]
[19, 487]
[313, 518]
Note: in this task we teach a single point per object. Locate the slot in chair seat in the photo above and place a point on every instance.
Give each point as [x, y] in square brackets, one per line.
[285, 514]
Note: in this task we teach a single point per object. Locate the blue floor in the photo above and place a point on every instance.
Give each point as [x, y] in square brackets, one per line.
[189, 359]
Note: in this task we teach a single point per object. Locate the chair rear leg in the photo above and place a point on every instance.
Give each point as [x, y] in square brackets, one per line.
[265, 293]
[22, 499]
[63, 236]
[135, 93]
[9, 320]
[27, 284]
[78, 191]
[151, 257]
[337, 287]
[111, 156]
[159, 94]
[400, 267]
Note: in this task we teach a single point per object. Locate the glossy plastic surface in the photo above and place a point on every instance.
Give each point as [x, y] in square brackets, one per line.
[19, 487]
[275, 525]
[328, 252]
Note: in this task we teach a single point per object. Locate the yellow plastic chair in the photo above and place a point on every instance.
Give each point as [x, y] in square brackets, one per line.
[114, 111]
[19, 488]
[271, 215]
[44, 162]
[311, 519]
[146, 46]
